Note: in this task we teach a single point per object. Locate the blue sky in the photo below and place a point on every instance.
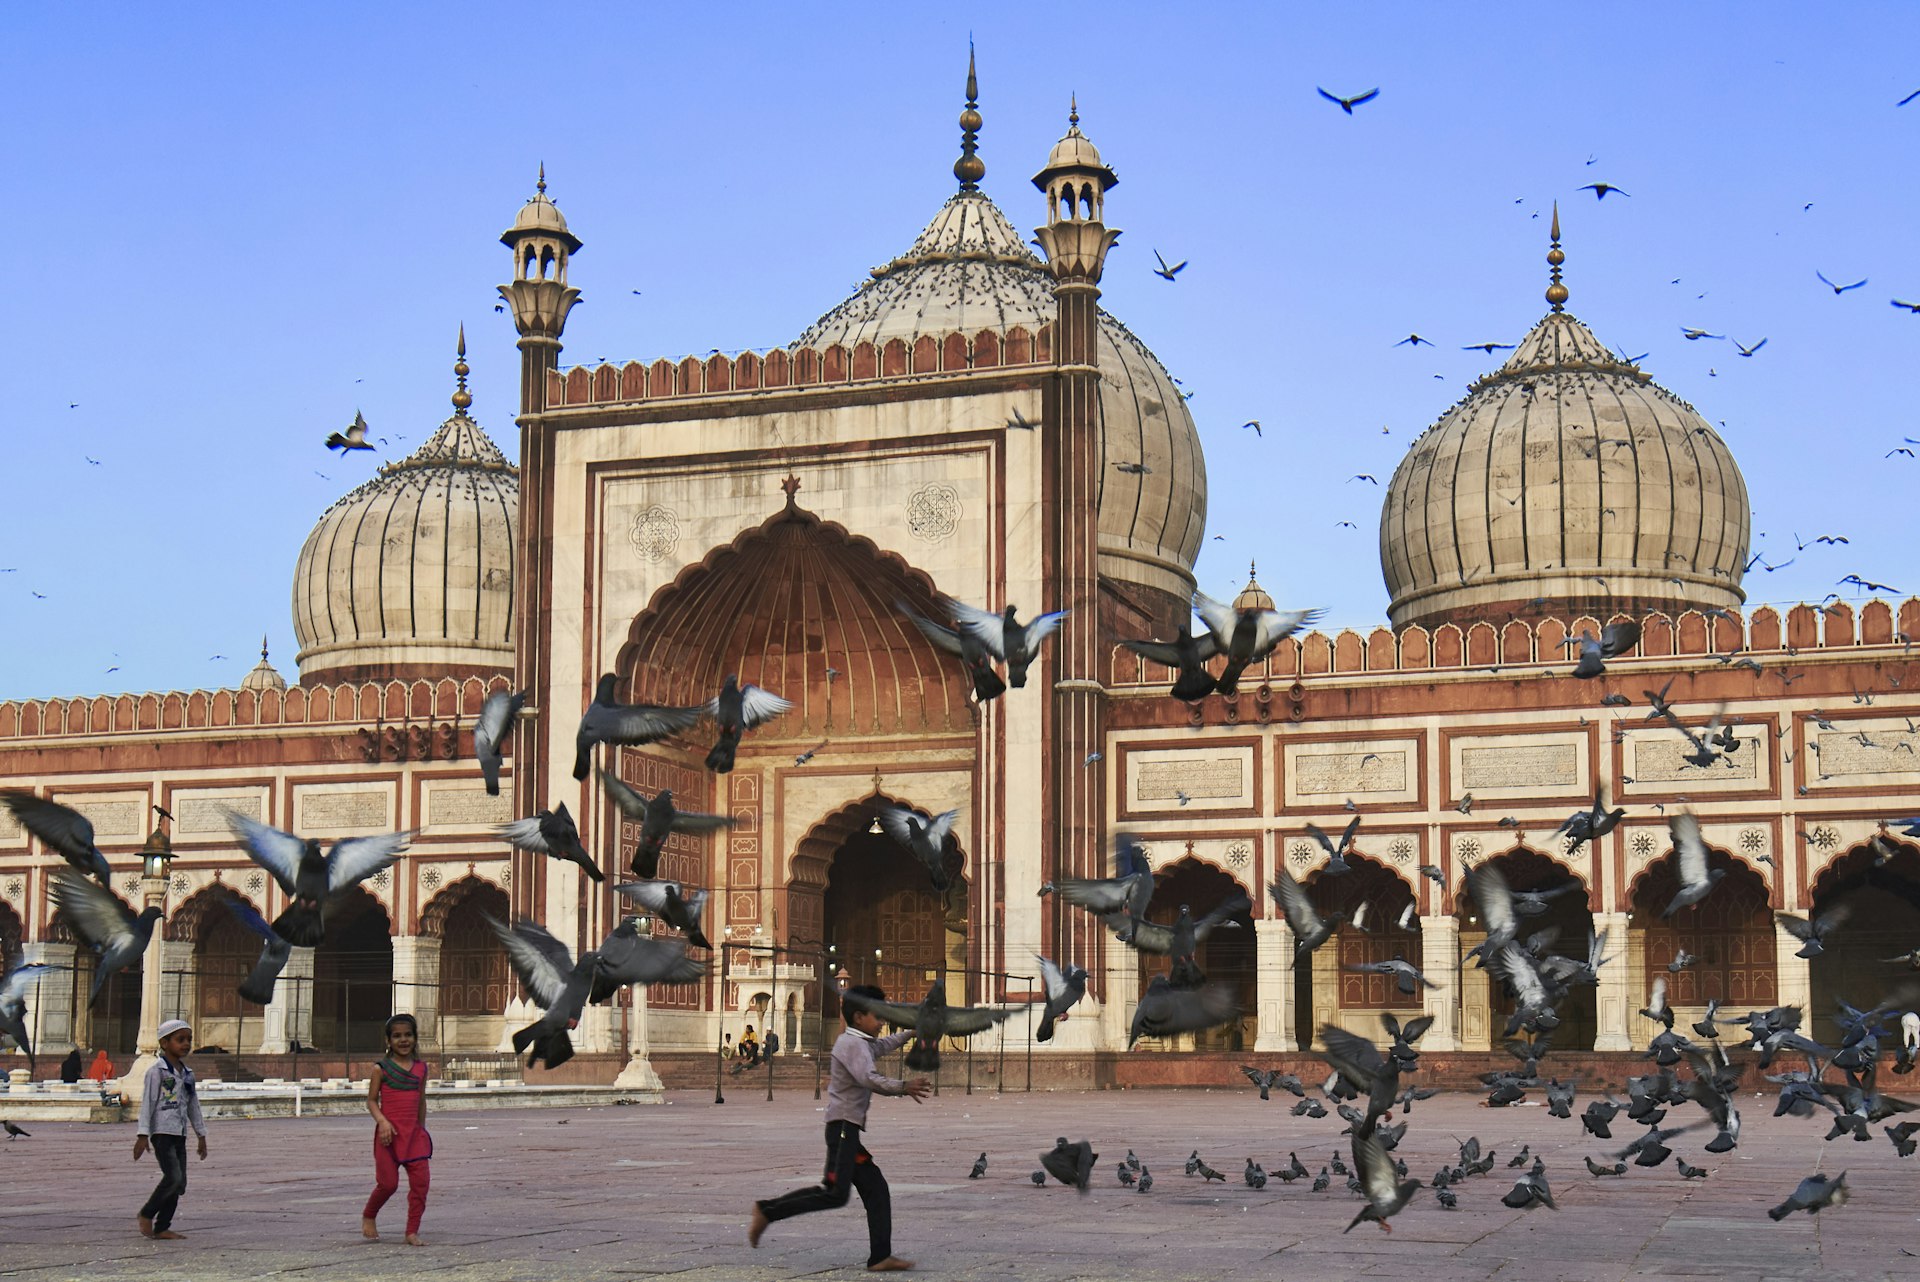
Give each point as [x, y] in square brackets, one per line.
[235, 225]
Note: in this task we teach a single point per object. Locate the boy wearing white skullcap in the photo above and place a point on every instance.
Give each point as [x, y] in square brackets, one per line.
[169, 1103]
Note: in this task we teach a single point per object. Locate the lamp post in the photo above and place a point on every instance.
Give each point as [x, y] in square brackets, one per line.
[154, 857]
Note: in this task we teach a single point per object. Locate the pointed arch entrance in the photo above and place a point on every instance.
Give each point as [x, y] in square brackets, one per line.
[1568, 916]
[861, 904]
[353, 976]
[1729, 934]
[475, 979]
[1227, 955]
[1882, 902]
[1326, 991]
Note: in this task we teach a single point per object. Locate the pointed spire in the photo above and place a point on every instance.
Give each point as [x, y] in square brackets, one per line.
[1556, 292]
[263, 647]
[970, 169]
[541, 186]
[1073, 110]
[462, 398]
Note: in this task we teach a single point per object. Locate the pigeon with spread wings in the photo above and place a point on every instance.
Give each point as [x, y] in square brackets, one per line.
[930, 1020]
[498, 715]
[1017, 644]
[608, 721]
[1064, 986]
[672, 903]
[1165, 1010]
[736, 710]
[965, 646]
[61, 829]
[924, 837]
[1386, 1193]
[628, 957]
[1118, 898]
[1246, 636]
[557, 984]
[1690, 862]
[13, 1004]
[103, 922]
[551, 832]
[310, 878]
[1310, 930]
[1188, 655]
[658, 818]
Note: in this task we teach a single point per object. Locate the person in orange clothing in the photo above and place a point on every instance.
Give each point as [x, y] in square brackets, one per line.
[397, 1098]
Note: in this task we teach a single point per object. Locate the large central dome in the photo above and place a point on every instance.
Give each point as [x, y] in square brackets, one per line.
[1569, 475]
[968, 271]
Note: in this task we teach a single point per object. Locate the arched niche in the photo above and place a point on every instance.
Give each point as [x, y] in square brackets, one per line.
[1228, 955]
[1881, 900]
[1730, 932]
[1568, 916]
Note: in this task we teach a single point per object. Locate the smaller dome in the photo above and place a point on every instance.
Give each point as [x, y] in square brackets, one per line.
[540, 217]
[1253, 596]
[264, 676]
[1075, 151]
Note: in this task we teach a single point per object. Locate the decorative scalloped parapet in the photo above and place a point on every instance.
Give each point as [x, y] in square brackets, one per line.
[723, 375]
[350, 704]
[1543, 641]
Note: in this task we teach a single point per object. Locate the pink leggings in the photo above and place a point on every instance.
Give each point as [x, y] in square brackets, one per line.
[386, 1174]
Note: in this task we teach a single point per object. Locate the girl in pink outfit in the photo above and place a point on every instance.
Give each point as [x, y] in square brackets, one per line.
[397, 1098]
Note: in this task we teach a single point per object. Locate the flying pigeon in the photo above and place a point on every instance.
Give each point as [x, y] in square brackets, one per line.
[551, 832]
[498, 715]
[658, 818]
[1015, 644]
[923, 836]
[1386, 1193]
[608, 721]
[930, 1020]
[1164, 1009]
[1064, 988]
[1405, 977]
[1811, 1194]
[354, 438]
[1310, 930]
[969, 649]
[1070, 1163]
[309, 878]
[1187, 654]
[1615, 640]
[558, 985]
[672, 903]
[736, 710]
[1336, 865]
[61, 829]
[1583, 826]
[1119, 898]
[1690, 863]
[1813, 932]
[628, 957]
[258, 986]
[13, 1005]
[1246, 636]
[103, 922]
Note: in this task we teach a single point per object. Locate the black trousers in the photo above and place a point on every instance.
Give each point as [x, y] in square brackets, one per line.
[170, 1151]
[849, 1167]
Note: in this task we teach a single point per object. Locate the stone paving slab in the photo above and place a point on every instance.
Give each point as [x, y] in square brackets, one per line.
[561, 1194]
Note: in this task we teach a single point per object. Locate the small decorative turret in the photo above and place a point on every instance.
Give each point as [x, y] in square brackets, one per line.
[539, 295]
[1075, 240]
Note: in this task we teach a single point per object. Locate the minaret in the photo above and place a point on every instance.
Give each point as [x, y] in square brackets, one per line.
[1075, 241]
[540, 299]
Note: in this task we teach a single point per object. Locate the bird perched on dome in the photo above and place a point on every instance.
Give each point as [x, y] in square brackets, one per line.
[1247, 636]
[551, 832]
[736, 710]
[658, 818]
[309, 878]
[1013, 643]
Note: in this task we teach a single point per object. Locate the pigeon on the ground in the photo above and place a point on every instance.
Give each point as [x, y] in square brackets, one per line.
[1322, 1182]
[1146, 1179]
[1690, 1172]
[736, 710]
[61, 829]
[1039, 1179]
[1130, 1161]
[628, 957]
[1193, 1161]
[558, 985]
[1070, 1163]
[672, 903]
[258, 986]
[1187, 654]
[310, 878]
[498, 715]
[923, 836]
[1615, 640]
[1560, 1098]
[1164, 1009]
[551, 832]
[1528, 1190]
[1690, 863]
[15, 1132]
[1246, 636]
[1811, 1194]
[1255, 1176]
[607, 720]
[1126, 1174]
[103, 922]
[1594, 1168]
[1064, 989]
[1386, 1193]
[1208, 1173]
[965, 646]
[658, 818]
[13, 1005]
[1014, 643]
[1448, 1199]
[931, 1020]
[979, 1167]
[1521, 1158]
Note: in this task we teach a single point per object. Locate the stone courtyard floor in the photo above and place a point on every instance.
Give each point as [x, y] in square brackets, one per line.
[665, 1191]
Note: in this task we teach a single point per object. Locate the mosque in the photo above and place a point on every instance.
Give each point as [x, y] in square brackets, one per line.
[970, 424]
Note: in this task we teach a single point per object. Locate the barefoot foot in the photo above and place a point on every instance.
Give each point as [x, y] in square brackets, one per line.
[168, 1235]
[369, 1230]
[756, 1226]
[146, 1225]
[413, 1239]
[892, 1264]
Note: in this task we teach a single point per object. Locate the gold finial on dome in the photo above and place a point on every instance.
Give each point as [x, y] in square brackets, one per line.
[1073, 111]
[462, 398]
[1556, 292]
[970, 169]
[541, 185]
